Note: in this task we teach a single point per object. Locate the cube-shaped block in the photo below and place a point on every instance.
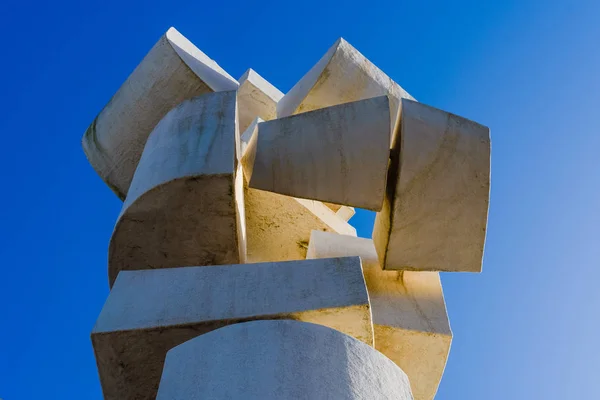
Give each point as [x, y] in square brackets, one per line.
[174, 70]
[185, 204]
[342, 75]
[256, 98]
[279, 360]
[409, 314]
[435, 212]
[337, 154]
[148, 312]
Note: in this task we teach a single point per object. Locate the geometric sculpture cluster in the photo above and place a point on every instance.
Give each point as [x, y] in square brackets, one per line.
[233, 244]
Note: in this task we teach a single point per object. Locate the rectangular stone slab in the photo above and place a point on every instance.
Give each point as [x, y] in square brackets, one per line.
[434, 216]
[174, 70]
[148, 312]
[337, 154]
[409, 313]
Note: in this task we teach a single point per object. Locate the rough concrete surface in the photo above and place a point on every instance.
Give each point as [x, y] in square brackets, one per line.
[337, 154]
[150, 311]
[409, 313]
[435, 213]
[185, 204]
[174, 70]
[284, 359]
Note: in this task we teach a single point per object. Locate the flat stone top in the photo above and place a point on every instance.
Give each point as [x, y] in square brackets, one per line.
[162, 297]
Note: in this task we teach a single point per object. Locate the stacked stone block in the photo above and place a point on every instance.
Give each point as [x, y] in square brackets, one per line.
[234, 270]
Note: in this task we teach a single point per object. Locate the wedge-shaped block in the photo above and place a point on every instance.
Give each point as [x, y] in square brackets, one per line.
[409, 314]
[279, 360]
[256, 98]
[149, 312]
[435, 213]
[185, 204]
[342, 75]
[174, 70]
[337, 154]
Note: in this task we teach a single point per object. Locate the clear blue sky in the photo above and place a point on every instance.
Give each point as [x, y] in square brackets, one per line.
[526, 328]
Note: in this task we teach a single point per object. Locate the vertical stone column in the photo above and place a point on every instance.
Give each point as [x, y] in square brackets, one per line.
[279, 359]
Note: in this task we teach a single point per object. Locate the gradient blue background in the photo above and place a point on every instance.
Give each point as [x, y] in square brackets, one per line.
[527, 328]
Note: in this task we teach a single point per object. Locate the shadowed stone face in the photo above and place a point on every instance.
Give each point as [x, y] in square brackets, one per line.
[183, 206]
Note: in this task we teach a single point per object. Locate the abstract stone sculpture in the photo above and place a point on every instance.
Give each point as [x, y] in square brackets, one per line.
[236, 207]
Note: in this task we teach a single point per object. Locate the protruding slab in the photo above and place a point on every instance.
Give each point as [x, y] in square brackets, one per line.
[435, 213]
[256, 98]
[174, 70]
[185, 204]
[337, 154]
[149, 312]
[279, 360]
[342, 75]
[409, 313]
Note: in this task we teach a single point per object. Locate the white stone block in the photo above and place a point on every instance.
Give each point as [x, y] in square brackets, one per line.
[337, 154]
[185, 204]
[148, 312]
[279, 360]
[174, 70]
[342, 75]
[409, 313]
[256, 98]
[435, 214]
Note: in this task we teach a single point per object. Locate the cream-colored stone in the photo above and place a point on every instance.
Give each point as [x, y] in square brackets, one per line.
[435, 213]
[185, 203]
[279, 360]
[342, 75]
[148, 312]
[278, 226]
[409, 314]
[256, 98]
[336, 154]
[174, 70]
